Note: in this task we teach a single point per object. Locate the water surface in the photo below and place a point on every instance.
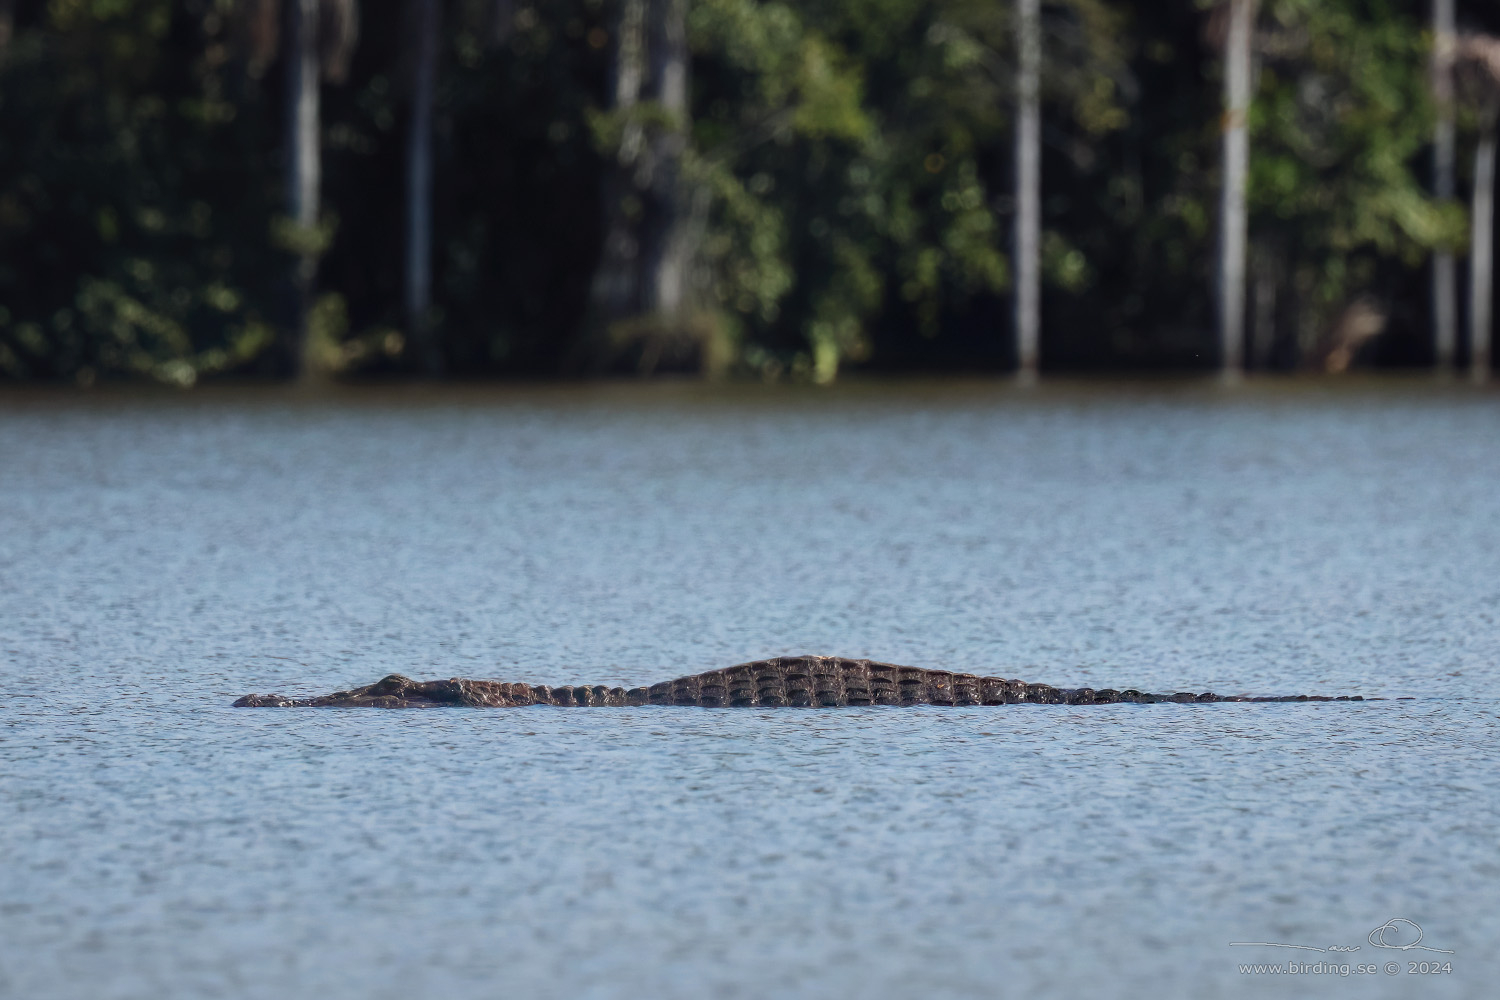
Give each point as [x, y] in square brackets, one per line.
[160, 556]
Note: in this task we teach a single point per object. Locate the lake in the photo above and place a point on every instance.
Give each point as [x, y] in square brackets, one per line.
[161, 555]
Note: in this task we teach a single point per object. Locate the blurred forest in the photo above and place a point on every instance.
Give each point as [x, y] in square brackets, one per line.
[209, 188]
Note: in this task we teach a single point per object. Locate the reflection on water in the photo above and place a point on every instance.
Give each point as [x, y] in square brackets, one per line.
[161, 556]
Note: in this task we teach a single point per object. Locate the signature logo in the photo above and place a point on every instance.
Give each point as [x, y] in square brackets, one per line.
[1396, 934]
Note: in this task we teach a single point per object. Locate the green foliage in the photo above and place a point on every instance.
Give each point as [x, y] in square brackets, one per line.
[129, 186]
[832, 117]
[848, 171]
[1341, 116]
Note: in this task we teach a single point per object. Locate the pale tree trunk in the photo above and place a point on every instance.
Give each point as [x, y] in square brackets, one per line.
[640, 287]
[663, 251]
[1028, 188]
[1236, 156]
[1481, 257]
[419, 189]
[303, 170]
[615, 293]
[1444, 282]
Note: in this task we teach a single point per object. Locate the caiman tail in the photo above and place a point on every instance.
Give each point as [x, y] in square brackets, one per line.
[783, 682]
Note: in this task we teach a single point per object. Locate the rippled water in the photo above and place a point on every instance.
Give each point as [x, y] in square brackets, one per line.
[160, 556]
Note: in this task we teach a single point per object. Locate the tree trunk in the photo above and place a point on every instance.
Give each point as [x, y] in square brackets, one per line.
[663, 251]
[640, 287]
[1481, 257]
[303, 173]
[419, 190]
[1236, 155]
[1444, 283]
[1028, 189]
[615, 293]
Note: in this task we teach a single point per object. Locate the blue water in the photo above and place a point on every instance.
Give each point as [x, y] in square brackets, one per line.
[160, 556]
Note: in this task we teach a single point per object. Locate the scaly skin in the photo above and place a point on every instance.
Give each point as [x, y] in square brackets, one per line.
[809, 681]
